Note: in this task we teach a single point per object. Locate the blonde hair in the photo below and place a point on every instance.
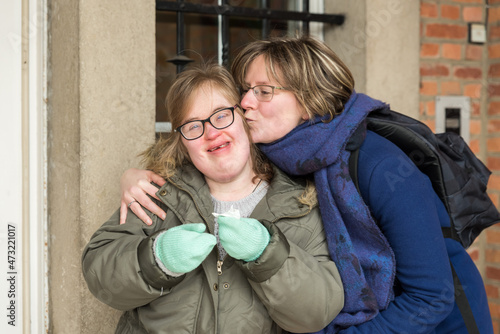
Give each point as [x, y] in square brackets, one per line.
[169, 153]
[320, 81]
[310, 196]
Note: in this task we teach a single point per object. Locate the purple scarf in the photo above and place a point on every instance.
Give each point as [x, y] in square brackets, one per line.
[361, 252]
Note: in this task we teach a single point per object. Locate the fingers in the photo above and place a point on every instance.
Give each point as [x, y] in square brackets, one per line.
[157, 179]
[134, 198]
[124, 205]
[123, 213]
[146, 202]
[145, 187]
[135, 186]
[140, 213]
[140, 192]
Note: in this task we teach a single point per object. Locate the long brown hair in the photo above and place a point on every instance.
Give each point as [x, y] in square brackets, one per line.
[320, 81]
[168, 153]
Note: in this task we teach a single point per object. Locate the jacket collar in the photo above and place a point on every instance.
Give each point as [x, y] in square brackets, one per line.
[188, 196]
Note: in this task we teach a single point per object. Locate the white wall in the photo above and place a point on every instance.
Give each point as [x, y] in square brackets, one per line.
[23, 273]
[10, 166]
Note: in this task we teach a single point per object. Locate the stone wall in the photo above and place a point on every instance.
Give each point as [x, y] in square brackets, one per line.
[101, 115]
[451, 65]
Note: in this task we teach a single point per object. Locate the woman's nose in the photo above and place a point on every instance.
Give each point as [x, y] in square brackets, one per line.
[210, 131]
[248, 100]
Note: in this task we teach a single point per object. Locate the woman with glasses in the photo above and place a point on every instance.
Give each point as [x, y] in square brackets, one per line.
[242, 247]
[386, 239]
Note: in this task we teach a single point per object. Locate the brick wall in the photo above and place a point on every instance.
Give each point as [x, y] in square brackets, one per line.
[492, 129]
[493, 109]
[450, 65]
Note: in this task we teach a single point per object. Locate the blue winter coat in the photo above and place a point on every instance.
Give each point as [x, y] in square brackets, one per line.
[396, 191]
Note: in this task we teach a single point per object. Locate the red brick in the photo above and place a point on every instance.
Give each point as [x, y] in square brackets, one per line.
[429, 50]
[473, 52]
[476, 109]
[494, 184]
[493, 163]
[469, 1]
[427, 108]
[450, 12]
[468, 72]
[450, 88]
[452, 51]
[431, 124]
[493, 236]
[494, 199]
[434, 70]
[494, 274]
[431, 108]
[494, 108]
[494, 14]
[494, 71]
[492, 255]
[493, 126]
[475, 127]
[474, 146]
[491, 291]
[473, 253]
[493, 90]
[496, 327]
[494, 307]
[473, 90]
[428, 88]
[494, 32]
[494, 51]
[473, 14]
[428, 9]
[452, 31]
[495, 227]
[493, 145]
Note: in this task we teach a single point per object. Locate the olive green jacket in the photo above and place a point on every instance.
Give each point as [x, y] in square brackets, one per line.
[293, 286]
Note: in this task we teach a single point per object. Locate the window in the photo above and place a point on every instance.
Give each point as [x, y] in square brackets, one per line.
[192, 31]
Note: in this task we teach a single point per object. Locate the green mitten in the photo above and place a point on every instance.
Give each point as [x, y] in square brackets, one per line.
[244, 238]
[182, 248]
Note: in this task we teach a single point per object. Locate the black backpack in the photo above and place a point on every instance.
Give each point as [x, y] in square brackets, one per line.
[457, 175]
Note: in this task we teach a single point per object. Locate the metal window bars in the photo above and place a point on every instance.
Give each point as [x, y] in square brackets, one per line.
[265, 14]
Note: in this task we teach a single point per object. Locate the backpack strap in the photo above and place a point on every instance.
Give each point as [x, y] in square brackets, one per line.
[450, 233]
[353, 168]
[463, 304]
[460, 297]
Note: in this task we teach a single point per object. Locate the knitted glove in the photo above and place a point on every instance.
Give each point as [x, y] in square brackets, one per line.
[243, 238]
[183, 248]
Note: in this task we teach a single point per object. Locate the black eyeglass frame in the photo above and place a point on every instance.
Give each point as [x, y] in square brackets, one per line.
[203, 121]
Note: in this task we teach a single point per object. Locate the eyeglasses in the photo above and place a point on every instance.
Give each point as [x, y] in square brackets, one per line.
[195, 129]
[263, 93]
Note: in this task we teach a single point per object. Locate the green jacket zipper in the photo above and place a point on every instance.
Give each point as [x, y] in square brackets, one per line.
[220, 261]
